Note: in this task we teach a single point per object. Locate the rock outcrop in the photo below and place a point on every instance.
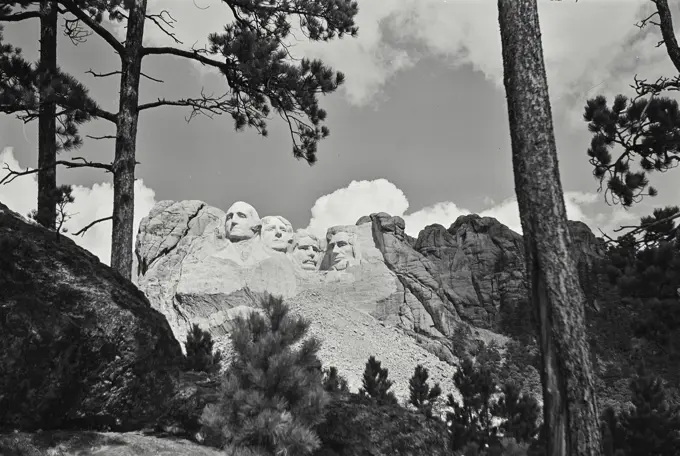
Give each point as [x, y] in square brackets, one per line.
[376, 291]
[79, 345]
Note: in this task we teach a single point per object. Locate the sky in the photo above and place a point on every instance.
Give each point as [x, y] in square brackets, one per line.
[419, 129]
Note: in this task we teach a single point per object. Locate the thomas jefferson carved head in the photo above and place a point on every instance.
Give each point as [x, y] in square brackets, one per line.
[276, 233]
[343, 252]
[306, 251]
[242, 222]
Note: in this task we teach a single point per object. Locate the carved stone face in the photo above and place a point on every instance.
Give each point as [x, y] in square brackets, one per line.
[277, 232]
[307, 252]
[242, 222]
[342, 250]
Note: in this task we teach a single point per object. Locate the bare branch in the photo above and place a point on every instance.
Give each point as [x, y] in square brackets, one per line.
[152, 79]
[82, 231]
[16, 17]
[117, 72]
[107, 36]
[11, 174]
[643, 23]
[161, 22]
[639, 229]
[609, 238]
[101, 137]
[103, 75]
[193, 54]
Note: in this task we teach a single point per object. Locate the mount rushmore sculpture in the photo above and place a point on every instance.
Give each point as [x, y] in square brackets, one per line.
[255, 238]
[368, 288]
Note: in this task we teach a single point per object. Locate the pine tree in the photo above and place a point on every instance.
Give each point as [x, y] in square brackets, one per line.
[334, 382]
[652, 425]
[42, 91]
[375, 383]
[200, 356]
[471, 420]
[571, 412]
[520, 412]
[421, 396]
[252, 54]
[272, 395]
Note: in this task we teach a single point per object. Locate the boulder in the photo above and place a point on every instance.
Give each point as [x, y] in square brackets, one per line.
[80, 346]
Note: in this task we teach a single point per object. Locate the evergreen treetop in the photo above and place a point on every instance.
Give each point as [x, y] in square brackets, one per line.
[375, 383]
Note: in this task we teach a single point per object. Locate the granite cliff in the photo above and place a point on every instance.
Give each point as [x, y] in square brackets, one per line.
[369, 288]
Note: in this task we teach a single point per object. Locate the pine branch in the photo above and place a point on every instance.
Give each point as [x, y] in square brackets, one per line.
[107, 36]
[32, 114]
[207, 105]
[11, 174]
[83, 230]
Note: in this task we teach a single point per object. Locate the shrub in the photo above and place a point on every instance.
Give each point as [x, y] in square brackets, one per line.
[356, 427]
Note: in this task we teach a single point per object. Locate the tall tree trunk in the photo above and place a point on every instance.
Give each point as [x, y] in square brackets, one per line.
[126, 139]
[571, 415]
[47, 122]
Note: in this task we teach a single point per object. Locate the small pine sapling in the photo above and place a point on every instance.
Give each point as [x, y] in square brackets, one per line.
[334, 382]
[272, 396]
[421, 396]
[200, 356]
[376, 384]
[63, 196]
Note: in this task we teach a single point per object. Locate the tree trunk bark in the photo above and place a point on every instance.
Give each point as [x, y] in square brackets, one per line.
[126, 139]
[571, 414]
[47, 122]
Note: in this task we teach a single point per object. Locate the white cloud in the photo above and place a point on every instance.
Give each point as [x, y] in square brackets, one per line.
[345, 206]
[90, 204]
[589, 47]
